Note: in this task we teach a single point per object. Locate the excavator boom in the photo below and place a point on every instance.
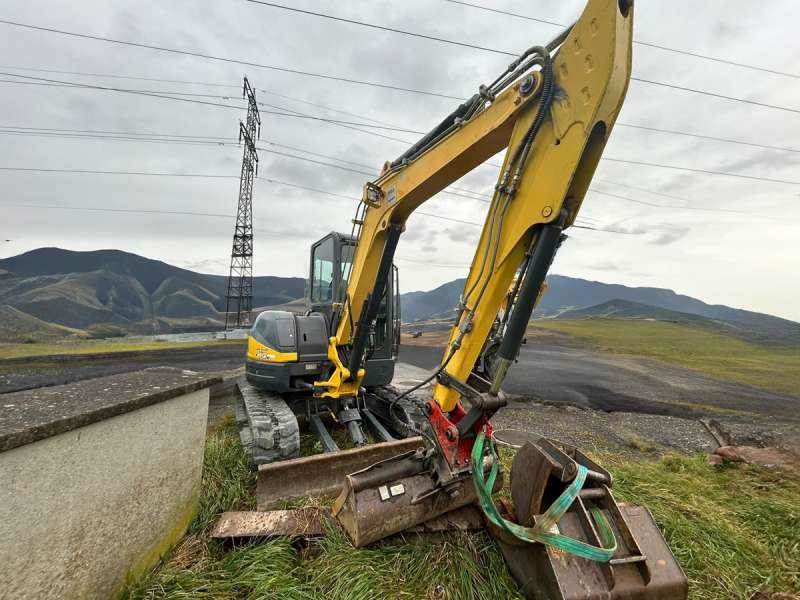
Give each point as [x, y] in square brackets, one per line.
[572, 102]
[553, 110]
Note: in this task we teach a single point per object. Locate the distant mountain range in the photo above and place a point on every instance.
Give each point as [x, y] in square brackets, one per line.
[572, 298]
[49, 292]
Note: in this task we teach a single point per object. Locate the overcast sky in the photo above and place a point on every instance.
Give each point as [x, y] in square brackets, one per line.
[742, 249]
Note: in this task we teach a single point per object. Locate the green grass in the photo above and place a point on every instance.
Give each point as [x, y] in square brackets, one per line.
[715, 354]
[735, 531]
[416, 566]
[98, 346]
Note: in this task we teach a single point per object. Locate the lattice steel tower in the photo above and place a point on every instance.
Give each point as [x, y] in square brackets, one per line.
[239, 297]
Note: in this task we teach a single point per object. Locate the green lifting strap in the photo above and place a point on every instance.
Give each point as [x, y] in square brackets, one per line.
[540, 532]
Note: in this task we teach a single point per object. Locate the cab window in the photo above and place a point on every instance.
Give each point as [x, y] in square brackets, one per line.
[322, 275]
[348, 249]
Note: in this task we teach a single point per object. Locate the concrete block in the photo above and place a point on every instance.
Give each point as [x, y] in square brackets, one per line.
[98, 495]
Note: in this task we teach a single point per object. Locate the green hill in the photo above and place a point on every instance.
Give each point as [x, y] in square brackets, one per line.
[50, 288]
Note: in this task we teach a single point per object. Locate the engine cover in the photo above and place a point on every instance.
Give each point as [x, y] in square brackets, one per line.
[284, 349]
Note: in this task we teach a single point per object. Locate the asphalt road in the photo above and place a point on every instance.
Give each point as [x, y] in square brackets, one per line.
[29, 373]
[546, 373]
[559, 375]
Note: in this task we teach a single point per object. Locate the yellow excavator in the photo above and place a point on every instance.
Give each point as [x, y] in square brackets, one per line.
[553, 110]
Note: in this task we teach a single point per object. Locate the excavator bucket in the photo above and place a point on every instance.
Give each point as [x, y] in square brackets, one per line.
[642, 567]
[321, 474]
[395, 494]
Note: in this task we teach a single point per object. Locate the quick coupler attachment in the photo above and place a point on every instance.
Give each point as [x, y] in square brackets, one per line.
[395, 494]
[589, 546]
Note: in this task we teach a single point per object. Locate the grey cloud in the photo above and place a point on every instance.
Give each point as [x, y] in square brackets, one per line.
[462, 233]
[670, 234]
[296, 217]
[605, 265]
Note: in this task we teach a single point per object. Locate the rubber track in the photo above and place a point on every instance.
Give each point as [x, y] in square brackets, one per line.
[384, 395]
[267, 426]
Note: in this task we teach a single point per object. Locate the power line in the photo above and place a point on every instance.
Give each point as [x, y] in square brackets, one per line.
[424, 214]
[124, 210]
[343, 79]
[203, 83]
[167, 96]
[102, 172]
[642, 189]
[87, 134]
[387, 126]
[220, 176]
[118, 76]
[506, 12]
[705, 137]
[748, 213]
[382, 27]
[142, 211]
[153, 134]
[453, 193]
[307, 188]
[704, 171]
[635, 41]
[504, 52]
[471, 194]
[668, 206]
[116, 138]
[432, 264]
[716, 95]
[223, 59]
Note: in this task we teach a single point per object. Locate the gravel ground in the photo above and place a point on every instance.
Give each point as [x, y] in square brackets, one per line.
[632, 404]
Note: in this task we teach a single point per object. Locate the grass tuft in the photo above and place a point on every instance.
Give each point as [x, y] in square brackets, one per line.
[734, 529]
[228, 481]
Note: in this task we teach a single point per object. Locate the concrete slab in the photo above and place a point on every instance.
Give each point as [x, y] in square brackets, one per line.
[33, 415]
[98, 479]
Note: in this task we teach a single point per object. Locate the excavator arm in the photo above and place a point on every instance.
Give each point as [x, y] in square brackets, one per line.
[554, 114]
[553, 109]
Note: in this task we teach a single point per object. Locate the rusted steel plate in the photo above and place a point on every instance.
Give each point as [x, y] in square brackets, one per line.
[466, 518]
[514, 438]
[298, 523]
[321, 474]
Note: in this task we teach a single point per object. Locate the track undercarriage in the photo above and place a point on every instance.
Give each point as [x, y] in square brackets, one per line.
[269, 423]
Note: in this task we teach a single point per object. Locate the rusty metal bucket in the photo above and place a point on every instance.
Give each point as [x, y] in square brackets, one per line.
[321, 474]
[395, 494]
[643, 567]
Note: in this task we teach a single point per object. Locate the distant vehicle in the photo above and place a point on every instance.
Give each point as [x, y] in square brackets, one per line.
[416, 334]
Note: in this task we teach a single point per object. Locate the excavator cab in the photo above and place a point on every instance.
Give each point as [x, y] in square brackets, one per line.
[287, 352]
[330, 267]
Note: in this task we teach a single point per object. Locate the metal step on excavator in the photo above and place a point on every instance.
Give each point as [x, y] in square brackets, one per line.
[423, 451]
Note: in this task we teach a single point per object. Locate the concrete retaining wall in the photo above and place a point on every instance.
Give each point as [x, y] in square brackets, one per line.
[82, 510]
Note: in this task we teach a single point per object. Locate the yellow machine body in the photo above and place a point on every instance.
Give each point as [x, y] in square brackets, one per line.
[591, 72]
